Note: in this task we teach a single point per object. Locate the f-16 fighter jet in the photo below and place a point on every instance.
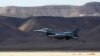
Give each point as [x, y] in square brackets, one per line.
[60, 35]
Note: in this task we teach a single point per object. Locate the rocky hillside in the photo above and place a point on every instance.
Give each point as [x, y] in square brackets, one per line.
[18, 33]
[88, 9]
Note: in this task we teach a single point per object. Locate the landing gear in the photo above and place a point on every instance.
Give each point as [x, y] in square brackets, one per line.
[67, 38]
[58, 38]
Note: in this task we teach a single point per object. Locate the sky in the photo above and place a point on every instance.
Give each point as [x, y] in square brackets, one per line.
[29, 3]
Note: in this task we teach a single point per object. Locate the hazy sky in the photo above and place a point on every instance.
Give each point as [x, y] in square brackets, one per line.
[43, 2]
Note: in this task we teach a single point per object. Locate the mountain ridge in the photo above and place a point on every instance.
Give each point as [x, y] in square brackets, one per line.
[88, 9]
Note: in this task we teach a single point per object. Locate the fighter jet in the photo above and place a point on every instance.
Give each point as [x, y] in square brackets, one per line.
[60, 35]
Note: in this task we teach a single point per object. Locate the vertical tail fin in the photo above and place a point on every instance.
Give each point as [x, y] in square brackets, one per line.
[75, 32]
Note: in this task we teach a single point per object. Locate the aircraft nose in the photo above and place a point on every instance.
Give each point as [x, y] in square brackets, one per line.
[41, 30]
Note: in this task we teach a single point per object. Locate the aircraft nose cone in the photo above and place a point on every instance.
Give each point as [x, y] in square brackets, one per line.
[41, 30]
